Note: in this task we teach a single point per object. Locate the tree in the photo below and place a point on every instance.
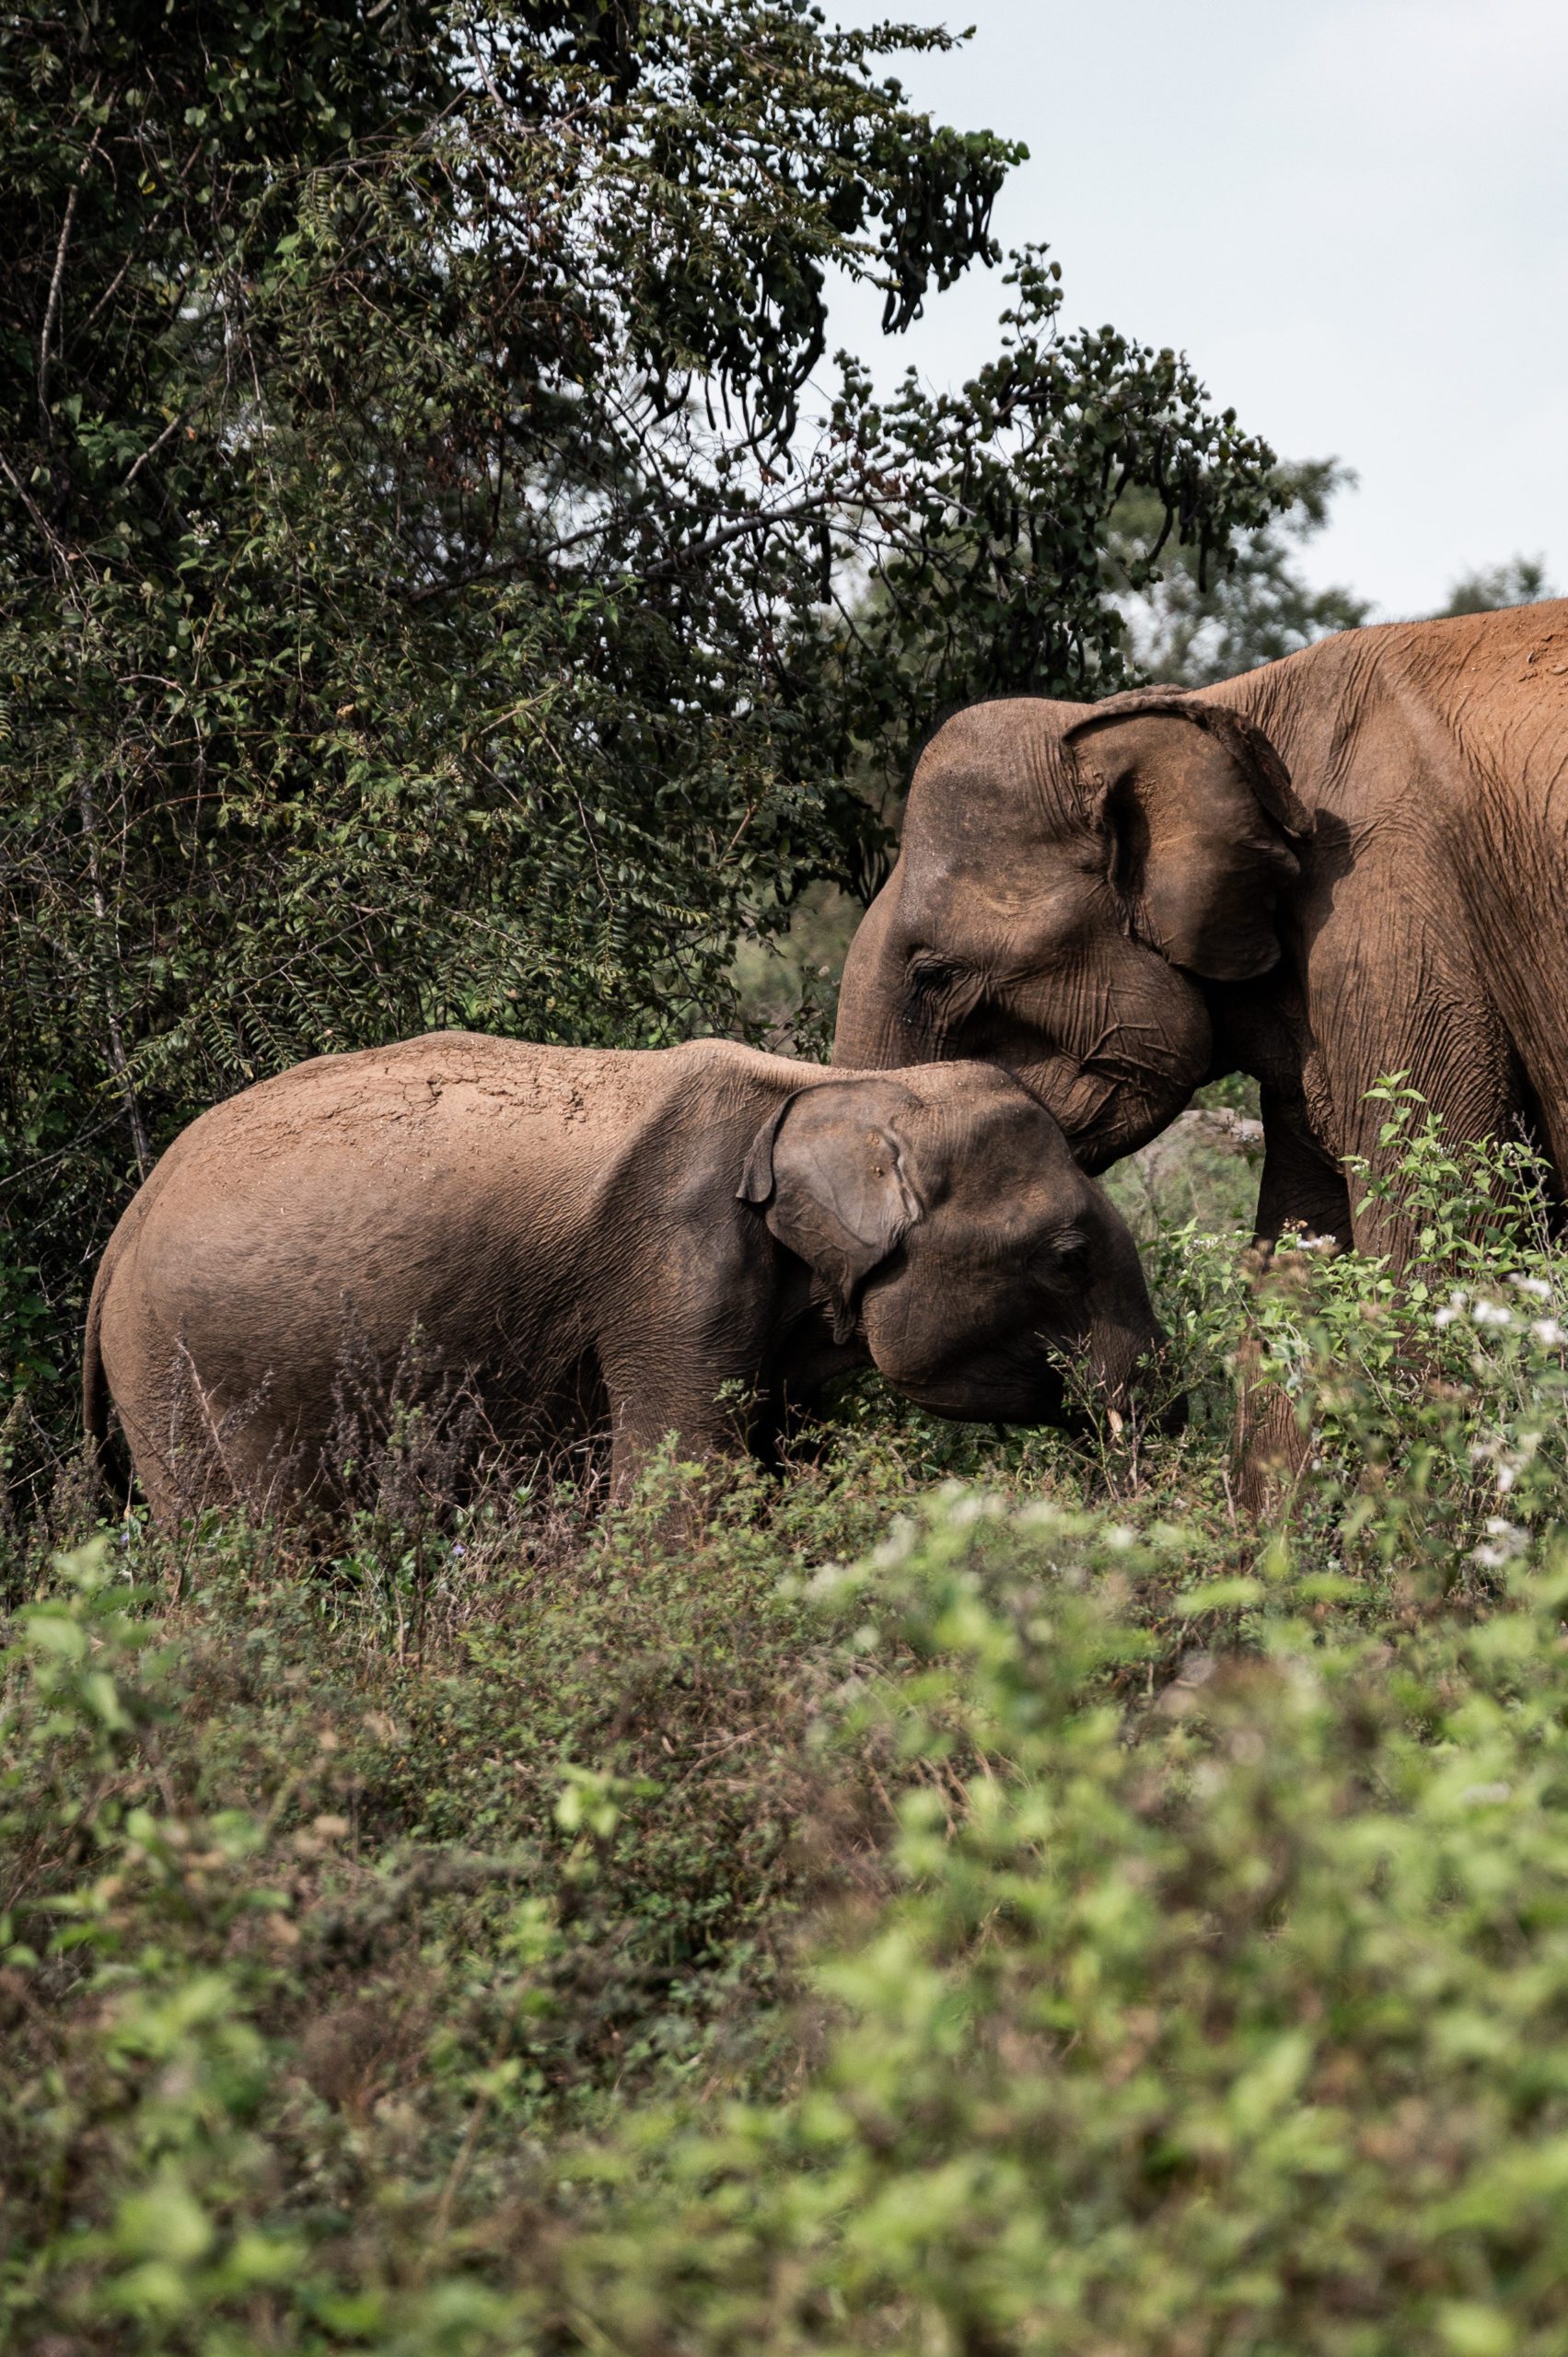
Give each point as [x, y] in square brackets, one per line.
[426, 564]
[1189, 629]
[1519, 582]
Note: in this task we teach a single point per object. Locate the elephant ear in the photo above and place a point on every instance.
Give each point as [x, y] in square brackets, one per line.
[1201, 822]
[831, 1171]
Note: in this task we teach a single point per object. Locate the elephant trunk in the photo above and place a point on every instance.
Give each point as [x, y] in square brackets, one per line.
[1129, 1359]
[874, 1032]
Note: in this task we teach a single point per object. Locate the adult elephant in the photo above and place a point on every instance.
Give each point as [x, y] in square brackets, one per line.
[1351, 863]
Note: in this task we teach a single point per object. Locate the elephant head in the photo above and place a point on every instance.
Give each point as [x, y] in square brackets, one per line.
[1070, 878]
[951, 1232]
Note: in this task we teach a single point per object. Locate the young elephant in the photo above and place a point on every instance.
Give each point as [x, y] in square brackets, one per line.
[686, 1241]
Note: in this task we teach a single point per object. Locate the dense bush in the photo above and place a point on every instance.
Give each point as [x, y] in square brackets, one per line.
[977, 1896]
[1229, 2016]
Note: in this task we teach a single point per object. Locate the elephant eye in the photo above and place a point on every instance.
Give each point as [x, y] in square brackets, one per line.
[1061, 1255]
[936, 986]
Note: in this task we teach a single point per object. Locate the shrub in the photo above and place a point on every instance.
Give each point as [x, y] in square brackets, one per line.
[1228, 2019]
[308, 1938]
[971, 1896]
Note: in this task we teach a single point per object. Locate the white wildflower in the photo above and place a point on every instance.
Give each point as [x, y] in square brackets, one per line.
[1537, 1287]
[1548, 1333]
[1039, 1514]
[1504, 1542]
[1492, 1313]
[1487, 1792]
[895, 1549]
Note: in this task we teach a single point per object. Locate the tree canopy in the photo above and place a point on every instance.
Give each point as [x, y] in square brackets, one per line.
[1192, 630]
[441, 580]
[1520, 581]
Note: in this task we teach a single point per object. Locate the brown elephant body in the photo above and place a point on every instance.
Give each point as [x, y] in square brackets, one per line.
[683, 1241]
[1348, 864]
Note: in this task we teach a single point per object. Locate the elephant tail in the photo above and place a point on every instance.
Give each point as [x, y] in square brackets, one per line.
[95, 1389]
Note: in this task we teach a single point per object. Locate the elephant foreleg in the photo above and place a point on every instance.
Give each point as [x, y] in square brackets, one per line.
[705, 1413]
[1396, 990]
[1302, 1185]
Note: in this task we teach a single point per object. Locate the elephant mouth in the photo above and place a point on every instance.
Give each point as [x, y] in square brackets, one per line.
[1129, 1080]
[1081, 1418]
[1071, 1393]
[1002, 1403]
[1104, 1115]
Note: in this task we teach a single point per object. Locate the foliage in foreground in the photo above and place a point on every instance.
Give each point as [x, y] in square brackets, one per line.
[1031, 1911]
[1230, 2019]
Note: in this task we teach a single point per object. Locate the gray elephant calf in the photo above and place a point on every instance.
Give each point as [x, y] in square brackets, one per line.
[634, 1239]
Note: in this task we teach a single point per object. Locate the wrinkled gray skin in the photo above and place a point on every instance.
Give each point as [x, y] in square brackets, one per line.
[591, 1237]
[1345, 864]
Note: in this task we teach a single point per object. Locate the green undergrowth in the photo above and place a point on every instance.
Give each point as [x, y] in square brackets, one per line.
[978, 1895]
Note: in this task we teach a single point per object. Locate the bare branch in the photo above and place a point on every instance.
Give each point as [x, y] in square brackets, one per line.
[60, 554]
[692, 552]
[52, 308]
[153, 448]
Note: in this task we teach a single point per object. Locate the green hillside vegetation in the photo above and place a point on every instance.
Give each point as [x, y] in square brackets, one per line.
[976, 1893]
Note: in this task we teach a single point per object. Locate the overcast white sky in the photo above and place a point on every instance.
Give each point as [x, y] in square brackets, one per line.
[1352, 215]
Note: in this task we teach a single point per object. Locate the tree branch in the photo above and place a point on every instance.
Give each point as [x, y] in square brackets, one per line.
[153, 448]
[694, 552]
[52, 308]
[57, 548]
[742, 528]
